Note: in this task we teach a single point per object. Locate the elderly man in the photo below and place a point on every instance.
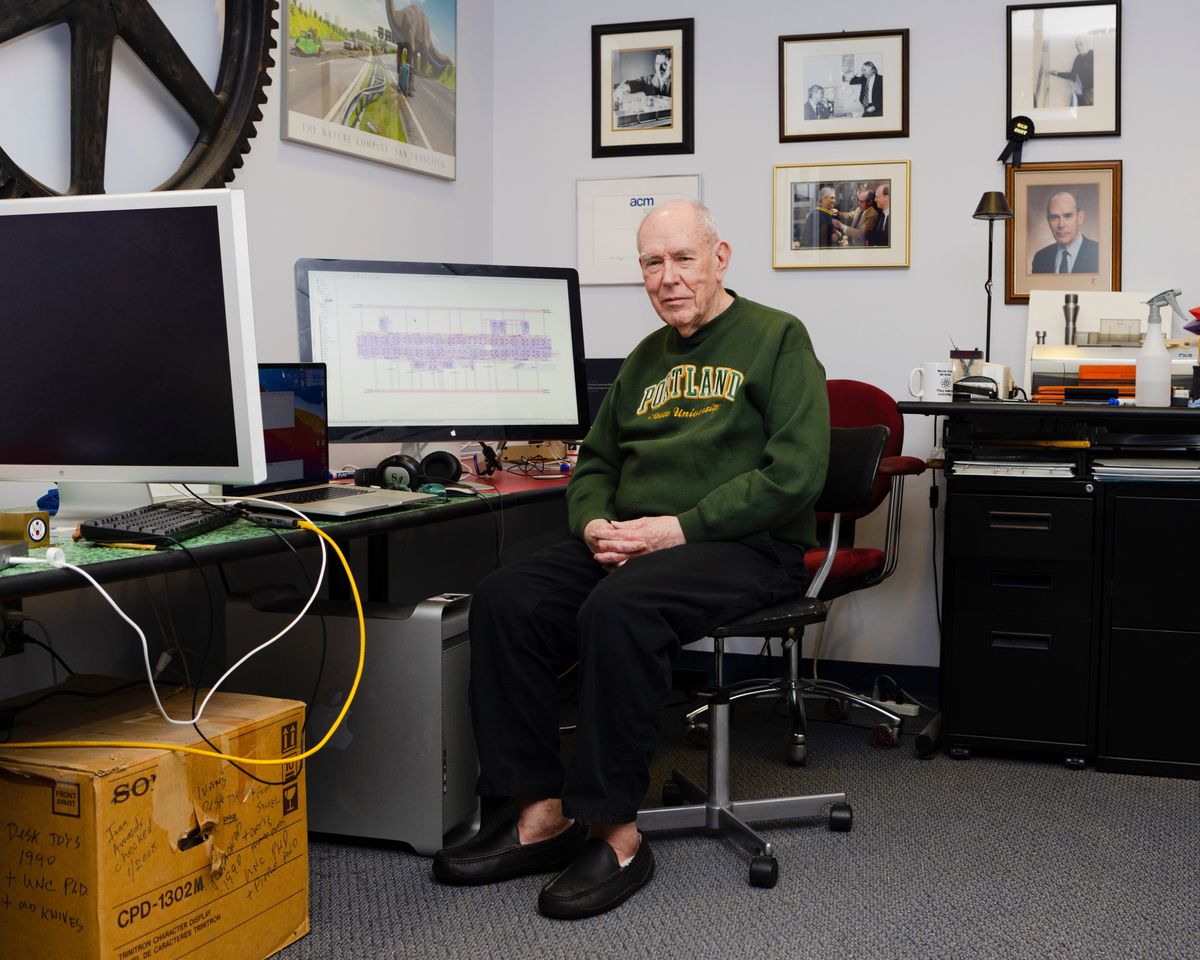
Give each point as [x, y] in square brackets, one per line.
[819, 226]
[692, 503]
[1071, 251]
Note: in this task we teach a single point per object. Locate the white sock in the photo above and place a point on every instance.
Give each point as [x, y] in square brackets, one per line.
[628, 860]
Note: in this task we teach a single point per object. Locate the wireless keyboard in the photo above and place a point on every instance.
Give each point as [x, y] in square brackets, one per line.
[169, 521]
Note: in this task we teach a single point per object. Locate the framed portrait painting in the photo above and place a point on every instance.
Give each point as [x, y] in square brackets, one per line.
[843, 86]
[1065, 233]
[375, 81]
[1064, 67]
[642, 88]
[841, 215]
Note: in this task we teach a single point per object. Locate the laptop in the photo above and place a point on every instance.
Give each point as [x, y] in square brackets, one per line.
[295, 430]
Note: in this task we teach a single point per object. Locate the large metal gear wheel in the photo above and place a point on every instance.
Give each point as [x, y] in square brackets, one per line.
[225, 117]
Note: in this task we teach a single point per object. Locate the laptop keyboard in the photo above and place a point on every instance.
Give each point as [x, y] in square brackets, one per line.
[320, 493]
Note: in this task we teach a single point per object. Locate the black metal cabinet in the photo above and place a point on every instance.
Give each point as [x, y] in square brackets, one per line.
[1150, 657]
[1019, 659]
[1071, 612]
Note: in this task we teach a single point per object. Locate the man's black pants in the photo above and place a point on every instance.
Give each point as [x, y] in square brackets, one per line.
[531, 620]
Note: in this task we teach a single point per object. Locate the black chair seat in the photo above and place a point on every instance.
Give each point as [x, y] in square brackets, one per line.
[773, 621]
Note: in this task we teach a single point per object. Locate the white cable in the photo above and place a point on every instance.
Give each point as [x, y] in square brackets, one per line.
[57, 558]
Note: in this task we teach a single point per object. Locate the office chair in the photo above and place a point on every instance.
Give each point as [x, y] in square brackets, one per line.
[852, 403]
[854, 455]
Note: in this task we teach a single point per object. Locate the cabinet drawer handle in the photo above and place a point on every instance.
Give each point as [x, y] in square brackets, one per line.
[1012, 520]
[1023, 581]
[1021, 641]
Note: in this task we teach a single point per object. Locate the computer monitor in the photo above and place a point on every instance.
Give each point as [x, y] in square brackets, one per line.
[445, 351]
[128, 337]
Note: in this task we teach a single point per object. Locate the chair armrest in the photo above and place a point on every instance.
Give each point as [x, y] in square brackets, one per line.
[901, 467]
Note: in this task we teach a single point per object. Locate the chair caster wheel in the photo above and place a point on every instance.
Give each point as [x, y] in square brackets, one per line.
[959, 753]
[764, 871]
[696, 736]
[841, 817]
[836, 710]
[885, 735]
[797, 754]
[672, 796]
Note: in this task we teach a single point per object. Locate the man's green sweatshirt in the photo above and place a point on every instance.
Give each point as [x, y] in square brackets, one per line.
[727, 429]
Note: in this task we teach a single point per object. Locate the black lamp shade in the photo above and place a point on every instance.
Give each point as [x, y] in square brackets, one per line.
[993, 206]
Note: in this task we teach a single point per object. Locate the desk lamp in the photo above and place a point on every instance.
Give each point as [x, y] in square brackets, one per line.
[992, 207]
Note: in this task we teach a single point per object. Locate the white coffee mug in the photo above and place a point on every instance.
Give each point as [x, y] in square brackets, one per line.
[932, 381]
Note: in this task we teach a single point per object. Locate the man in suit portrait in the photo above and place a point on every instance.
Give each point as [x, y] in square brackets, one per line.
[858, 223]
[1071, 251]
[880, 234]
[870, 89]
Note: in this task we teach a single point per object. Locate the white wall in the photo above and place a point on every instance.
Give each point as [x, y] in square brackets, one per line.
[871, 325]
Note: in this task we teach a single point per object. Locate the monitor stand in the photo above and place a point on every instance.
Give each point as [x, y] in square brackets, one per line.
[84, 500]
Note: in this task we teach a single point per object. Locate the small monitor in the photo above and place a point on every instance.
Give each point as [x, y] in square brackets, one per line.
[295, 426]
[445, 351]
[127, 326]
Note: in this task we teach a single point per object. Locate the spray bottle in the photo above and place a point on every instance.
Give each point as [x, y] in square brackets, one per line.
[1153, 388]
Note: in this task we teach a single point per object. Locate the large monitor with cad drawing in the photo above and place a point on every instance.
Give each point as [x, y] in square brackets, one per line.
[445, 351]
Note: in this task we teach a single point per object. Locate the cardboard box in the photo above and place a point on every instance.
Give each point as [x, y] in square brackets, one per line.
[139, 854]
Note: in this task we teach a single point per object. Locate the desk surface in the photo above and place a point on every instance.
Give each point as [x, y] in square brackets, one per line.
[242, 540]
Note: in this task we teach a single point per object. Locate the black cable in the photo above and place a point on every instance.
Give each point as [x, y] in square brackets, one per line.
[26, 638]
[933, 498]
[85, 694]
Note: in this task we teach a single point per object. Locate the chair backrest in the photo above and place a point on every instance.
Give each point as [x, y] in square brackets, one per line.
[853, 403]
[854, 455]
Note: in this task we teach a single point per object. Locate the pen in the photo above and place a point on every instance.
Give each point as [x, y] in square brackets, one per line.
[128, 546]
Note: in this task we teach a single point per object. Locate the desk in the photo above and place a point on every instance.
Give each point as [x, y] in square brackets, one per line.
[1069, 621]
[412, 703]
[533, 512]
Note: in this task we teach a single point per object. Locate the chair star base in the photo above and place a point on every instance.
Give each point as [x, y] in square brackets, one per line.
[716, 814]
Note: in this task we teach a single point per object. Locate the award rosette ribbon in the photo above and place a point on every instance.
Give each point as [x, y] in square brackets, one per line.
[1020, 129]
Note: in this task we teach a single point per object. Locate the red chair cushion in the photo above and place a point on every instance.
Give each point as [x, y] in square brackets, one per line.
[848, 562]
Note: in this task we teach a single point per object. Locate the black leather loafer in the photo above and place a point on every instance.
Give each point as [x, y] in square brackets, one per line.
[595, 882]
[501, 856]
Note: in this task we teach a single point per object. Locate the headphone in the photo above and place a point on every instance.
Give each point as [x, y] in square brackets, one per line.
[402, 472]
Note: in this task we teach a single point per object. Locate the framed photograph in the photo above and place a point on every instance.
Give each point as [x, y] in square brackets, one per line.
[1065, 233]
[376, 81]
[1064, 68]
[843, 86]
[609, 214]
[841, 215]
[642, 88]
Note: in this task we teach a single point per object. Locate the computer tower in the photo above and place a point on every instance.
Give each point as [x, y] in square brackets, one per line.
[402, 766]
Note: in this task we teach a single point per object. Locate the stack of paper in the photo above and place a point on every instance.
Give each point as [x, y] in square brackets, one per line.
[1147, 468]
[1009, 468]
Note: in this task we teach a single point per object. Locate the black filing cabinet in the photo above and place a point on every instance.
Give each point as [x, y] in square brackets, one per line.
[1150, 650]
[1020, 658]
[1071, 613]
